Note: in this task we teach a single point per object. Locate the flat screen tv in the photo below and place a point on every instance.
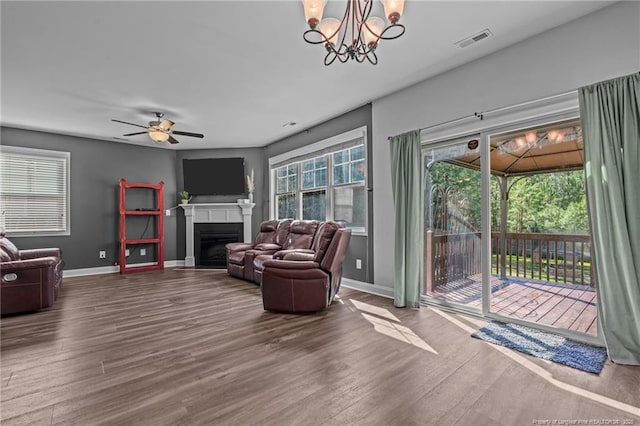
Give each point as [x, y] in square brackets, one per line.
[214, 176]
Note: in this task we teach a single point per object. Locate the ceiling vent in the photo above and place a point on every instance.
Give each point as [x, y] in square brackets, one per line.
[474, 38]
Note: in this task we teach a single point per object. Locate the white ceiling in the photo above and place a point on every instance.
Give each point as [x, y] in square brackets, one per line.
[233, 70]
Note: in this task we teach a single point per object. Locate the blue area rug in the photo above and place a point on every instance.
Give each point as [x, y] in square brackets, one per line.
[545, 345]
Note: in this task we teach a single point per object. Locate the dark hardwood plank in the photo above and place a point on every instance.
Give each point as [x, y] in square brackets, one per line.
[195, 347]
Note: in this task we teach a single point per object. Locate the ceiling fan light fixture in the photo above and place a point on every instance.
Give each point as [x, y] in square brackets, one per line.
[166, 124]
[158, 136]
[160, 131]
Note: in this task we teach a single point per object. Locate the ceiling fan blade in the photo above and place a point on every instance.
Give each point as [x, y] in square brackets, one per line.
[194, 135]
[172, 140]
[131, 124]
[136, 133]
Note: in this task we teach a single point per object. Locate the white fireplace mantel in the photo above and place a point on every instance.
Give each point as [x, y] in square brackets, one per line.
[215, 213]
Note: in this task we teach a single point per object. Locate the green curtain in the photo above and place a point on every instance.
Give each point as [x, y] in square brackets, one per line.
[406, 160]
[610, 113]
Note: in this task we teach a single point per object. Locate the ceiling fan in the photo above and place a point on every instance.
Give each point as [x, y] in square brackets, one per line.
[160, 130]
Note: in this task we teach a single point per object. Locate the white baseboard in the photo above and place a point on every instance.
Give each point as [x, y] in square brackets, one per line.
[367, 287]
[346, 282]
[101, 270]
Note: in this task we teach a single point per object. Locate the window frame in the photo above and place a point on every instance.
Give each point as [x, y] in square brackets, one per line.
[312, 152]
[65, 158]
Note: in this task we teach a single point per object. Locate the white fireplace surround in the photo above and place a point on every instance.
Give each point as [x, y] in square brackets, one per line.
[214, 213]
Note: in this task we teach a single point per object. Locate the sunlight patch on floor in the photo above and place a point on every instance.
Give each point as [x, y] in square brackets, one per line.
[384, 322]
[375, 310]
[544, 374]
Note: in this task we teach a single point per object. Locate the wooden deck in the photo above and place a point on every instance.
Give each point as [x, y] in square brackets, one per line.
[568, 306]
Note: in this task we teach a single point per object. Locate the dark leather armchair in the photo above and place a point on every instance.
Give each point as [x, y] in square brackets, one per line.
[236, 252]
[306, 281]
[300, 237]
[31, 279]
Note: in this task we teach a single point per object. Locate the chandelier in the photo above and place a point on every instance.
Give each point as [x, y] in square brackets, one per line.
[357, 35]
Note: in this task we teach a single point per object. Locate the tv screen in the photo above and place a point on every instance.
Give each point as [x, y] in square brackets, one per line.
[214, 176]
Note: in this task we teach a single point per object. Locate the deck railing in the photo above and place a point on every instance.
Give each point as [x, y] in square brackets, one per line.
[562, 258]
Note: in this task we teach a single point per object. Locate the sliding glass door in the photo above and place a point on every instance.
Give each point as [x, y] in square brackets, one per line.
[506, 229]
[541, 246]
[453, 267]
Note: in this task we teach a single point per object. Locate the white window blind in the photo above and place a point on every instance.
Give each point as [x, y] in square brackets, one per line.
[34, 191]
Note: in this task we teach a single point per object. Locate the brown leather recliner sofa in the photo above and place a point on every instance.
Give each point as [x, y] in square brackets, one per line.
[306, 281]
[269, 239]
[31, 279]
[300, 238]
[300, 271]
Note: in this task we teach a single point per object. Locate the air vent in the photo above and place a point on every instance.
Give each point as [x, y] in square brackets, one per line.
[474, 38]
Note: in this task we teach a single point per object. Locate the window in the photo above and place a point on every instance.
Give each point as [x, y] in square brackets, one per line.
[349, 165]
[286, 187]
[331, 185]
[314, 178]
[34, 192]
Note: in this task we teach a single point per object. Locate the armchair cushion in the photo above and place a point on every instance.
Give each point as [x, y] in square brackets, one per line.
[238, 254]
[238, 247]
[267, 247]
[301, 234]
[300, 255]
[282, 254]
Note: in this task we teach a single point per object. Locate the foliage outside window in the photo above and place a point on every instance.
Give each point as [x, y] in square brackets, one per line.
[34, 191]
[546, 203]
[286, 187]
[331, 187]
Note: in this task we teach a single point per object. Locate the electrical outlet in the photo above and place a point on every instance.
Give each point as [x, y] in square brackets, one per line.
[143, 252]
[358, 263]
[102, 254]
[126, 252]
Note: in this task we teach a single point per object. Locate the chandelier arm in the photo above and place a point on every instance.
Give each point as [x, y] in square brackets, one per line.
[363, 15]
[383, 37]
[323, 40]
[364, 12]
[373, 61]
[364, 52]
[330, 58]
[355, 6]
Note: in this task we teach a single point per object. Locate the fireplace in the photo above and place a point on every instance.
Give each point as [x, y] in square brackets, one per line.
[210, 240]
[214, 213]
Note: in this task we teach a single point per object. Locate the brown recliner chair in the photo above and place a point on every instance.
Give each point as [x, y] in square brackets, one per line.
[270, 238]
[31, 279]
[297, 283]
[300, 237]
[237, 252]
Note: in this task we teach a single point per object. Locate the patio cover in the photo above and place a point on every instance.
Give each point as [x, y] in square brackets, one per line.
[540, 149]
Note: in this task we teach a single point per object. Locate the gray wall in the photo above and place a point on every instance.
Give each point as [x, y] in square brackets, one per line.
[253, 159]
[597, 47]
[96, 168]
[361, 247]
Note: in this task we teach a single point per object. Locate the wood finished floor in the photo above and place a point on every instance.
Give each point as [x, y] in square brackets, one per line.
[195, 347]
[559, 305]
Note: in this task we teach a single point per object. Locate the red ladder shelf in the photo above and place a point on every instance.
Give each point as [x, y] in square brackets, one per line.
[158, 240]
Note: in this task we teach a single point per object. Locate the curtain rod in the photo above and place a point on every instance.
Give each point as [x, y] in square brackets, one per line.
[481, 115]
